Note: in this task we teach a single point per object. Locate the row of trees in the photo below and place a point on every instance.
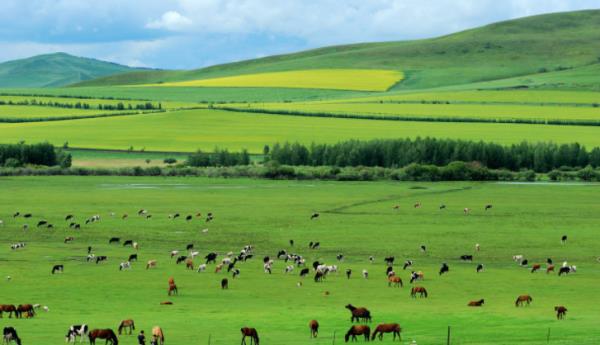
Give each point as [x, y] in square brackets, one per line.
[83, 105]
[17, 155]
[540, 157]
[218, 158]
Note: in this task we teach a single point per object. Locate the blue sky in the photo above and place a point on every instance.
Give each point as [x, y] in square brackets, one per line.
[195, 33]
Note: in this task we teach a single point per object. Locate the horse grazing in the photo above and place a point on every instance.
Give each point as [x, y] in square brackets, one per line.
[313, 325]
[76, 331]
[359, 313]
[107, 334]
[126, 324]
[355, 330]
[397, 281]
[523, 299]
[249, 332]
[418, 290]
[476, 303]
[158, 335]
[8, 308]
[24, 308]
[393, 328]
[172, 287]
[10, 334]
[561, 312]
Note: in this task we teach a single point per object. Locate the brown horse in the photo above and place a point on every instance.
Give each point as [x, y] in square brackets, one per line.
[8, 308]
[359, 313]
[314, 328]
[476, 303]
[418, 290]
[561, 312]
[523, 299]
[397, 281]
[158, 334]
[127, 324]
[549, 268]
[172, 290]
[107, 334]
[358, 330]
[24, 308]
[535, 267]
[249, 332]
[189, 264]
[393, 328]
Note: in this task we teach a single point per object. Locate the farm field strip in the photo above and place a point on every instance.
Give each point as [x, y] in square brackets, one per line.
[336, 79]
[268, 214]
[186, 131]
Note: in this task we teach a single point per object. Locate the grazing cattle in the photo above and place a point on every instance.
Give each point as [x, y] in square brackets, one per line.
[524, 262]
[549, 268]
[523, 299]
[41, 222]
[382, 328]
[444, 269]
[466, 257]
[24, 308]
[304, 272]
[209, 217]
[476, 303]
[316, 245]
[567, 270]
[442, 207]
[488, 207]
[107, 334]
[518, 258]
[423, 249]
[561, 312]
[190, 246]
[174, 253]
[90, 257]
[355, 330]
[549, 261]
[17, 245]
[314, 216]
[396, 207]
[466, 210]
[201, 268]
[166, 303]
[142, 212]
[224, 284]
[124, 266]
[188, 217]
[114, 240]
[418, 290]
[291, 243]
[477, 247]
[124, 216]
[340, 257]
[288, 269]
[77, 331]
[151, 264]
[58, 268]
[132, 257]
[181, 259]
[535, 268]
[27, 215]
[235, 272]
[563, 239]
[136, 246]
[158, 337]
[8, 308]
[16, 214]
[126, 324]
[348, 273]
[389, 270]
[211, 257]
[101, 258]
[359, 314]
[389, 260]
[249, 332]
[69, 239]
[189, 264]
[479, 268]
[313, 325]
[218, 268]
[319, 276]
[193, 254]
[407, 264]
[68, 217]
[174, 216]
[128, 243]
[417, 204]
[397, 281]
[9, 334]
[414, 276]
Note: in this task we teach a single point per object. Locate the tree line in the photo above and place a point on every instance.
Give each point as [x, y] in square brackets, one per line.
[83, 105]
[220, 157]
[394, 153]
[17, 155]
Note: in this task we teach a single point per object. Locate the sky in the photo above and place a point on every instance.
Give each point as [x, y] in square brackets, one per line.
[185, 34]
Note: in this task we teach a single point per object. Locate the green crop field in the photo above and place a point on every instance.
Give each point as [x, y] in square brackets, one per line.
[336, 79]
[357, 220]
[186, 131]
[30, 111]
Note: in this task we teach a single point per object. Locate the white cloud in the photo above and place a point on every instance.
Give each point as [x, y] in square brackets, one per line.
[170, 20]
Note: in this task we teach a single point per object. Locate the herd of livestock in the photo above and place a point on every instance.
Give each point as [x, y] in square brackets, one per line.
[230, 263]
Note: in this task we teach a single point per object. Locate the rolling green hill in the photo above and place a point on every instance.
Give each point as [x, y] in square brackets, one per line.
[526, 46]
[57, 69]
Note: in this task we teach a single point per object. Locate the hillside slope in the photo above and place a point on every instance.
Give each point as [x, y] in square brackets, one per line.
[498, 51]
[56, 69]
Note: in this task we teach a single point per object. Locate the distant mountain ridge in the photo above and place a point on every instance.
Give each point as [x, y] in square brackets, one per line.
[57, 69]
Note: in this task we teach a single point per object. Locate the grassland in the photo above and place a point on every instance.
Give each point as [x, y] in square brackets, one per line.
[357, 220]
[332, 79]
[186, 131]
[28, 112]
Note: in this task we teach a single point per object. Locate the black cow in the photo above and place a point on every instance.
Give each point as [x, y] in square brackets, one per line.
[181, 259]
[479, 268]
[407, 264]
[58, 268]
[444, 268]
[10, 334]
[488, 206]
[132, 257]
[304, 272]
[128, 243]
[101, 258]
[41, 222]
[348, 273]
[389, 260]
[189, 246]
[314, 216]
[68, 217]
[114, 240]
[211, 257]
[466, 257]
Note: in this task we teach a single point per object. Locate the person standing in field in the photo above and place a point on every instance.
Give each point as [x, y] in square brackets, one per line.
[141, 338]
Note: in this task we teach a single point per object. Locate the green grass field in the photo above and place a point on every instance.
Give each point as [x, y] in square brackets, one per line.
[30, 111]
[356, 220]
